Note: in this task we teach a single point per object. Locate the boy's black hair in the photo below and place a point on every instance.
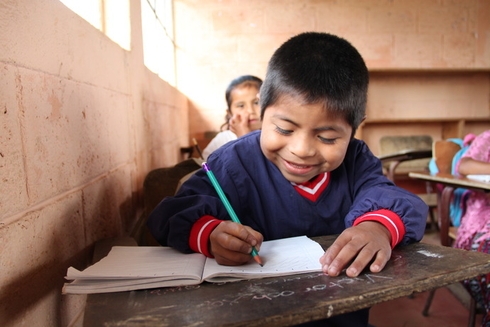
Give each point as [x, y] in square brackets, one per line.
[319, 68]
[244, 80]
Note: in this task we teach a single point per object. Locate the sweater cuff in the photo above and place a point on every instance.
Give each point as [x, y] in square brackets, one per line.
[389, 219]
[200, 231]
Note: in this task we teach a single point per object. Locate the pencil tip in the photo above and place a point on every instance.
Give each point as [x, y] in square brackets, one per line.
[259, 260]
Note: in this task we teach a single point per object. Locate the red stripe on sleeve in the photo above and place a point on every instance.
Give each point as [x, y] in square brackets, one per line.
[389, 219]
[200, 231]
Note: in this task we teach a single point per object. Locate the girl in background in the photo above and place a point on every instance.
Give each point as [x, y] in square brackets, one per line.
[242, 115]
[474, 231]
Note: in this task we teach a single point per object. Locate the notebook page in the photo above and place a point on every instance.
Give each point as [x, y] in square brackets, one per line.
[91, 286]
[134, 262]
[281, 257]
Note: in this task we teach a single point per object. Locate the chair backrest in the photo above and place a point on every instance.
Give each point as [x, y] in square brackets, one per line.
[158, 184]
[394, 144]
[443, 152]
[162, 182]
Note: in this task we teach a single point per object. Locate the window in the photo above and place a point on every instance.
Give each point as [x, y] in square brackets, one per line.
[112, 17]
[158, 38]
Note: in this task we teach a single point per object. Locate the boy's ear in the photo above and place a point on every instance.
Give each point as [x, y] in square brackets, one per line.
[354, 131]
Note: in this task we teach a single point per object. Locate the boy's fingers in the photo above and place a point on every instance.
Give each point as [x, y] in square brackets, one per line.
[355, 257]
[382, 258]
[254, 238]
[360, 262]
[330, 260]
[366, 256]
[341, 259]
[239, 238]
[230, 258]
[227, 249]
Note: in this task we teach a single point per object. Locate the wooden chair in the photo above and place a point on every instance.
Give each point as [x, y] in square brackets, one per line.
[158, 184]
[402, 154]
[444, 152]
[405, 143]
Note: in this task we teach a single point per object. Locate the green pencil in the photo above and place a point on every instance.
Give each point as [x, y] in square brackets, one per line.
[228, 206]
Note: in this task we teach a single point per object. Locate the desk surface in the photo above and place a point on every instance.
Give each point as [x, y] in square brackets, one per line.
[451, 180]
[285, 301]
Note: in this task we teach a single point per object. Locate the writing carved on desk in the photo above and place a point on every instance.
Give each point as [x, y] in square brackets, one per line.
[260, 291]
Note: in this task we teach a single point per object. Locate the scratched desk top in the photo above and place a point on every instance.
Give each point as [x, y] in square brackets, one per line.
[285, 301]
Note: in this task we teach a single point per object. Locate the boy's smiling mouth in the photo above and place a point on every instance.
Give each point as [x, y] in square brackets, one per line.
[297, 169]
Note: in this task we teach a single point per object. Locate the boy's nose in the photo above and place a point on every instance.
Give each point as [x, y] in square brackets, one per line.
[301, 147]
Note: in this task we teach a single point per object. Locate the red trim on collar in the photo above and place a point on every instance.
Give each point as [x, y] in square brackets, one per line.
[314, 188]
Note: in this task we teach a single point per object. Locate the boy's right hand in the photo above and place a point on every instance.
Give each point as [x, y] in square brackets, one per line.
[231, 243]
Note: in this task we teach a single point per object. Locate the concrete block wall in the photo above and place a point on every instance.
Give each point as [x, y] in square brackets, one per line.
[82, 122]
[219, 40]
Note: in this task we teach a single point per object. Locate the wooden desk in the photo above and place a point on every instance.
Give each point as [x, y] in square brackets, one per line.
[450, 183]
[286, 301]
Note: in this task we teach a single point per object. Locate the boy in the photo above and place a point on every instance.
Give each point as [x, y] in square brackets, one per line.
[302, 174]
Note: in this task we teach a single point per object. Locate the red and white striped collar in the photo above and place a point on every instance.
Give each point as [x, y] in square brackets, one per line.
[313, 188]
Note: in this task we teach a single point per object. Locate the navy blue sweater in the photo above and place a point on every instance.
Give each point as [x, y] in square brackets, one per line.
[264, 200]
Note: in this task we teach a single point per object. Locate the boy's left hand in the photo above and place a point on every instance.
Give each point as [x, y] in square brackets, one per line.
[356, 247]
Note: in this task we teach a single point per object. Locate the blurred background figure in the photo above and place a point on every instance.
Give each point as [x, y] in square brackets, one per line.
[474, 230]
[242, 114]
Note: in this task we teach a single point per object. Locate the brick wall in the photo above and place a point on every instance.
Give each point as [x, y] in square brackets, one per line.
[82, 121]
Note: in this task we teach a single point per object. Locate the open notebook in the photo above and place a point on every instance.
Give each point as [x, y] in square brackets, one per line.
[128, 268]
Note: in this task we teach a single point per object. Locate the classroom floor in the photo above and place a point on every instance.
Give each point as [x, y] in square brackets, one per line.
[446, 310]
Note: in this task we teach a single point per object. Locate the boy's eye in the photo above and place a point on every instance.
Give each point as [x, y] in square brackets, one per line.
[326, 140]
[282, 131]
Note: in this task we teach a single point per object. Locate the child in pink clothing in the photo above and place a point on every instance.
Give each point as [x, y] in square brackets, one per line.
[474, 231]
[475, 223]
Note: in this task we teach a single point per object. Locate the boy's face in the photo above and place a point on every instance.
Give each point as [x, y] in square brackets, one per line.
[245, 102]
[303, 140]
